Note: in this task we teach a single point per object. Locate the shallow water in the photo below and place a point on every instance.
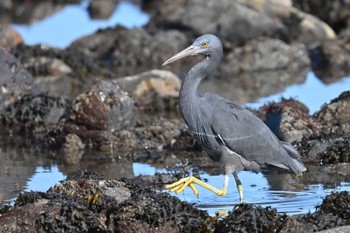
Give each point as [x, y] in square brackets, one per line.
[25, 169]
[258, 189]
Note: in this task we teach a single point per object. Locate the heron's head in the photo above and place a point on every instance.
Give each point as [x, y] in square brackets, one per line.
[207, 45]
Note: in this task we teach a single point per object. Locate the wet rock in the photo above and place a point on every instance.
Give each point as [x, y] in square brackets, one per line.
[9, 37]
[325, 148]
[336, 114]
[88, 202]
[330, 60]
[127, 52]
[104, 109]
[333, 212]
[250, 218]
[102, 9]
[289, 120]
[15, 81]
[153, 135]
[33, 114]
[153, 90]
[291, 225]
[249, 19]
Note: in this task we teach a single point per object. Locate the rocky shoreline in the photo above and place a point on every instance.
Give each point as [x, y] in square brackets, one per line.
[106, 92]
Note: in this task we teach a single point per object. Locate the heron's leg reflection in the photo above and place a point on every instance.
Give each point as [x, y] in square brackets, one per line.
[180, 186]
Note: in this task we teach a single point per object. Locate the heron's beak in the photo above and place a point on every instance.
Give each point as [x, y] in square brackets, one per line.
[189, 51]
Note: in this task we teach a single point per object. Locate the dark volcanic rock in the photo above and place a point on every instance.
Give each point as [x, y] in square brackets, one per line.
[289, 120]
[15, 81]
[33, 113]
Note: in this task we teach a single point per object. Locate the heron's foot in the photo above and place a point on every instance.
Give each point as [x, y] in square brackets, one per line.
[180, 186]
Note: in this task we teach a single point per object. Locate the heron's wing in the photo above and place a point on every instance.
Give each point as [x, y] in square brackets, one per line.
[244, 133]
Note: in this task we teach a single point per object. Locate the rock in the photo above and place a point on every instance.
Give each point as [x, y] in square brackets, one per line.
[289, 120]
[250, 218]
[33, 114]
[15, 81]
[293, 225]
[104, 107]
[9, 37]
[325, 148]
[153, 90]
[59, 72]
[330, 60]
[336, 114]
[333, 212]
[343, 229]
[30, 12]
[335, 13]
[248, 19]
[154, 135]
[90, 203]
[127, 52]
[261, 67]
[102, 9]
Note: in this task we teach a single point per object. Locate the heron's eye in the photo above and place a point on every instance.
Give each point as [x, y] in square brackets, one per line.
[205, 43]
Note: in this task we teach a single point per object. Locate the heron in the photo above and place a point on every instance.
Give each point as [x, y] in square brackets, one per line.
[229, 133]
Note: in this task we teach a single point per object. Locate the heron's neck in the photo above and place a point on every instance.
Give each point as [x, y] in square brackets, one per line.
[189, 97]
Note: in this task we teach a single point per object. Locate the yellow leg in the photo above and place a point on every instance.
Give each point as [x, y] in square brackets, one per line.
[239, 186]
[180, 186]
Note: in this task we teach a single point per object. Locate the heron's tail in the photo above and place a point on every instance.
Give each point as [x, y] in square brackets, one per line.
[295, 162]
